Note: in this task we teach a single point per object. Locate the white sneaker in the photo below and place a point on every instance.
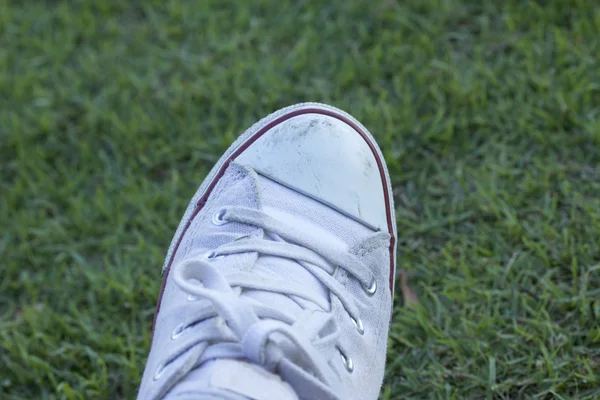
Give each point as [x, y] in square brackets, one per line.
[278, 283]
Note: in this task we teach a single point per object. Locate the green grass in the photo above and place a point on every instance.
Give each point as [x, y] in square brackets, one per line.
[488, 113]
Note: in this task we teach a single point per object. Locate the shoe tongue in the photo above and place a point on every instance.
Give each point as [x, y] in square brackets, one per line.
[319, 221]
[224, 378]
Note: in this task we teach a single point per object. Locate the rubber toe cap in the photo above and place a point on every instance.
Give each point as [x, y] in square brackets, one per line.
[327, 159]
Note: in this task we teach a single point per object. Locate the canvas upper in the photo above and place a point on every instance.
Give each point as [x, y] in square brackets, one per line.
[278, 284]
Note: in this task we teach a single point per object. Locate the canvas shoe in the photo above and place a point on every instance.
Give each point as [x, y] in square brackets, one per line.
[278, 282]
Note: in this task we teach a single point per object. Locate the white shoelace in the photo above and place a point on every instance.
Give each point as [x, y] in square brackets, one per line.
[260, 333]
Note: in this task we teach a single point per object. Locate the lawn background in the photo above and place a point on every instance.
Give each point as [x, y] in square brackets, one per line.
[488, 113]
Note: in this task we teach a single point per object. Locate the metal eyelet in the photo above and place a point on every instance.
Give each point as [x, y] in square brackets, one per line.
[372, 288]
[217, 218]
[177, 331]
[191, 297]
[348, 363]
[159, 371]
[212, 255]
[358, 324]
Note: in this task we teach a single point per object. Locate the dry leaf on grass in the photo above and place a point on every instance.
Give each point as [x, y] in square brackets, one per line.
[408, 294]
